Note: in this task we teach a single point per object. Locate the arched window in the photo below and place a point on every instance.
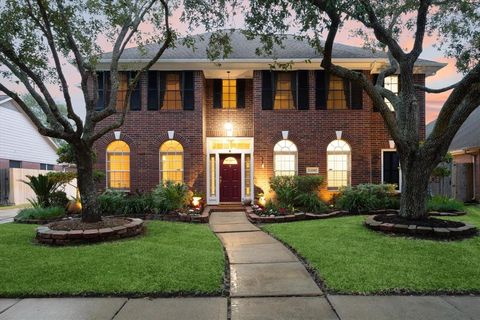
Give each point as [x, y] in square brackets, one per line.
[285, 155]
[171, 161]
[338, 164]
[118, 165]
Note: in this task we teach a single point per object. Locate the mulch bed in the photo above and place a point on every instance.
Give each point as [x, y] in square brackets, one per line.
[431, 228]
[77, 224]
[73, 232]
[298, 216]
[430, 222]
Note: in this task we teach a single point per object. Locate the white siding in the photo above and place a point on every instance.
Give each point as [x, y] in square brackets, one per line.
[19, 138]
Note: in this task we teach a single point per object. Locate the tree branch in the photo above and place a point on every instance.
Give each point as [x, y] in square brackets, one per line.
[420, 32]
[431, 90]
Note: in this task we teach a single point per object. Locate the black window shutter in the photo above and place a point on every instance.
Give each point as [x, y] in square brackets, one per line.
[101, 91]
[302, 90]
[135, 96]
[240, 93]
[152, 97]
[294, 88]
[267, 90]
[162, 87]
[357, 95]
[217, 93]
[188, 90]
[320, 90]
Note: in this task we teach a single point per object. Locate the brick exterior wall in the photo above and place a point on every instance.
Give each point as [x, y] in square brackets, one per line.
[311, 130]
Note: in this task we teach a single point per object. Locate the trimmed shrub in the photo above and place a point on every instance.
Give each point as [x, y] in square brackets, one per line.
[367, 197]
[40, 213]
[120, 203]
[444, 204]
[292, 192]
[58, 199]
[170, 197]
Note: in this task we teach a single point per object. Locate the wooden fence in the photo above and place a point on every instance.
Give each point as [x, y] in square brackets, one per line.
[19, 192]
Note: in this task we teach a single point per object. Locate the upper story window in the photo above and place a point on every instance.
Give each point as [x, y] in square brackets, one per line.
[229, 93]
[338, 90]
[391, 83]
[170, 90]
[285, 154]
[172, 97]
[118, 165]
[171, 161]
[338, 164]
[283, 92]
[124, 78]
[335, 93]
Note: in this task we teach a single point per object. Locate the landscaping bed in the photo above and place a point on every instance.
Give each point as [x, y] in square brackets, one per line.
[297, 216]
[431, 227]
[170, 259]
[351, 259]
[69, 232]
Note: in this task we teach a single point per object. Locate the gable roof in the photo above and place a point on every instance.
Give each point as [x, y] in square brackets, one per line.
[468, 136]
[245, 49]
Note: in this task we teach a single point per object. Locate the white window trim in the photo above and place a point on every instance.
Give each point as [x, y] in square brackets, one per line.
[217, 152]
[399, 169]
[294, 153]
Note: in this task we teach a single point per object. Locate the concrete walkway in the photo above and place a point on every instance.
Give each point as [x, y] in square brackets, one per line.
[267, 283]
[7, 215]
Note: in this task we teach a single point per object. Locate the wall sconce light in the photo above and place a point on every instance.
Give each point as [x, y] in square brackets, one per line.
[117, 134]
[229, 129]
[196, 201]
[285, 135]
[171, 134]
[391, 144]
[339, 135]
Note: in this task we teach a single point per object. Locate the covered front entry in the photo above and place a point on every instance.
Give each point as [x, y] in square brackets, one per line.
[230, 178]
[229, 169]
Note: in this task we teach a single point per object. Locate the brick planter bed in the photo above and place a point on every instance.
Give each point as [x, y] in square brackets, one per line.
[36, 221]
[253, 217]
[131, 227]
[391, 224]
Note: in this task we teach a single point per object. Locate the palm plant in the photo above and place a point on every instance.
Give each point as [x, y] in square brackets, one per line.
[43, 187]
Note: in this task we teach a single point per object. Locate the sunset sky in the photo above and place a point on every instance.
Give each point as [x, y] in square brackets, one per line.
[444, 77]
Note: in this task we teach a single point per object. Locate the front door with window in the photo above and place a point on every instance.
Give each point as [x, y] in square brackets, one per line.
[230, 178]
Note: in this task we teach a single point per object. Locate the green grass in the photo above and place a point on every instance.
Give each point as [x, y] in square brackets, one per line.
[352, 259]
[171, 258]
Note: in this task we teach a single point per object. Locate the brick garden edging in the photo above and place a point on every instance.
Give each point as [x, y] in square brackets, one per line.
[253, 217]
[420, 231]
[45, 235]
[37, 221]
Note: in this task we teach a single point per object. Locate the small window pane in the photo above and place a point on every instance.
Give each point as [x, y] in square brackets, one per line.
[336, 94]
[173, 96]
[338, 164]
[391, 83]
[247, 176]
[213, 176]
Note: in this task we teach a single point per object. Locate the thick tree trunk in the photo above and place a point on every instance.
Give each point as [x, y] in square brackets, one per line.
[415, 179]
[86, 185]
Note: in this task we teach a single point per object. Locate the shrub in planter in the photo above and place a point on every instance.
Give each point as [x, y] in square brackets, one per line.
[111, 202]
[300, 192]
[59, 199]
[444, 204]
[366, 197]
[50, 213]
[170, 197]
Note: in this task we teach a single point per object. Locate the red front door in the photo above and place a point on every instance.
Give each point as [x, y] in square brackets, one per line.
[230, 178]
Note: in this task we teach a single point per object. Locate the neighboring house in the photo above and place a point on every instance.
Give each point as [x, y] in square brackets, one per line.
[21, 147]
[464, 183]
[226, 127]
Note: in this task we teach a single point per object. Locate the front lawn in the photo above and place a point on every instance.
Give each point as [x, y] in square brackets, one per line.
[352, 259]
[171, 258]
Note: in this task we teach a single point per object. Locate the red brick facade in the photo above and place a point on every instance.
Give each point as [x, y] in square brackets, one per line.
[311, 130]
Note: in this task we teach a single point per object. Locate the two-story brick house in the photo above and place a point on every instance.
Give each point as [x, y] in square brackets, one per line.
[226, 127]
